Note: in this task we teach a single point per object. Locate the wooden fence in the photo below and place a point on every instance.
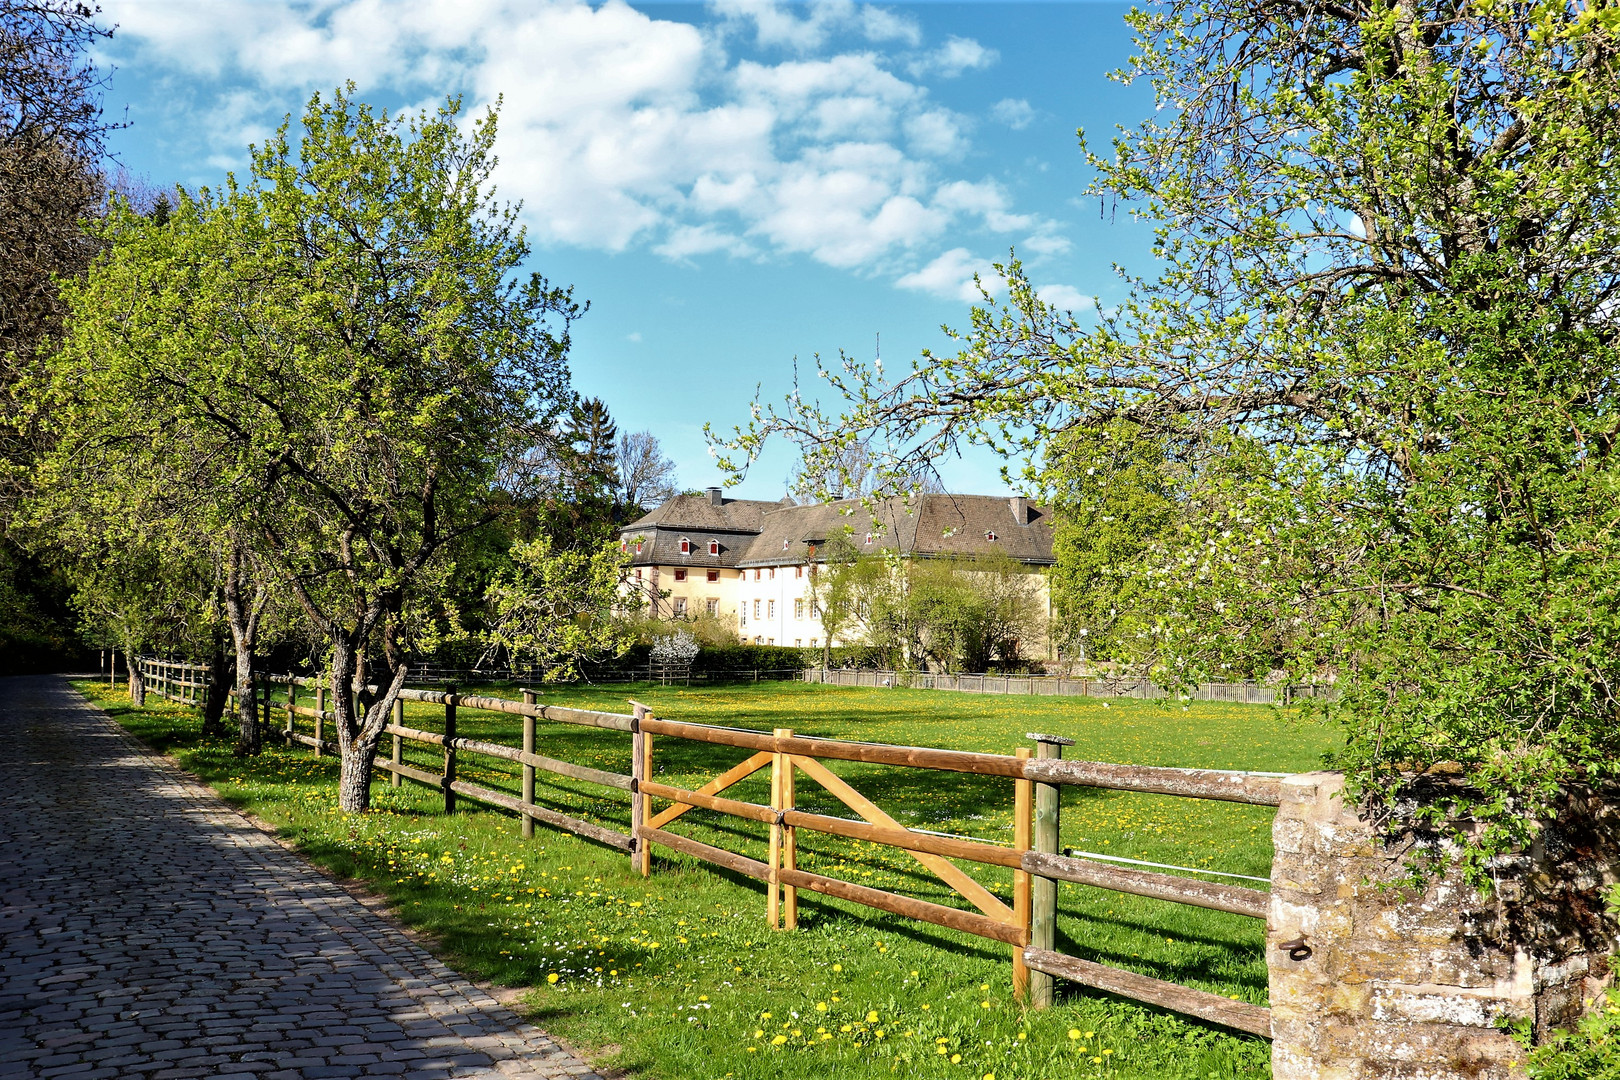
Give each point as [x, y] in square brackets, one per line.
[1110, 686]
[1028, 925]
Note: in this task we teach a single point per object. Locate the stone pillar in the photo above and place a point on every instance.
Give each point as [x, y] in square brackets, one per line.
[1396, 985]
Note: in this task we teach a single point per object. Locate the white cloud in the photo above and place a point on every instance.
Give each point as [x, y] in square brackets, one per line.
[950, 277]
[620, 129]
[957, 55]
[775, 24]
[1066, 297]
[1016, 113]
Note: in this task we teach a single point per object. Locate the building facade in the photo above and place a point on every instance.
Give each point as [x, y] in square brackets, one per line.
[750, 563]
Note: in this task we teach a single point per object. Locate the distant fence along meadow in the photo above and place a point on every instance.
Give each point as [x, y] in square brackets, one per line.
[1115, 686]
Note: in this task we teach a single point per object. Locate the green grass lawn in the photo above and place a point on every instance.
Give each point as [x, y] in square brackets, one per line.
[678, 976]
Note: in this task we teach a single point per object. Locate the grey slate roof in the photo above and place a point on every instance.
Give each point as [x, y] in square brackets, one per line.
[753, 533]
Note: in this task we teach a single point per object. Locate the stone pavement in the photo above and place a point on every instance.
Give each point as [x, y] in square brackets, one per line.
[148, 932]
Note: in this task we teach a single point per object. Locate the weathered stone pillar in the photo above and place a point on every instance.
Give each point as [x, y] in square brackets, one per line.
[1396, 985]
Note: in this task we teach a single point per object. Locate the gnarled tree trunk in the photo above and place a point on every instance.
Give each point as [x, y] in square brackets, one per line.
[137, 682]
[360, 719]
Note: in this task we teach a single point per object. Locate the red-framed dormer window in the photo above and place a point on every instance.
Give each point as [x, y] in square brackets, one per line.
[714, 547]
[638, 547]
[624, 545]
[686, 546]
[868, 538]
[990, 536]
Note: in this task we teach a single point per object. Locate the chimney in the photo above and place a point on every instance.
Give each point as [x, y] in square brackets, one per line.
[1020, 509]
[715, 498]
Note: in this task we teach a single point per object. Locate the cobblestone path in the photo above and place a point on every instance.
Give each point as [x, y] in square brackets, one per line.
[147, 931]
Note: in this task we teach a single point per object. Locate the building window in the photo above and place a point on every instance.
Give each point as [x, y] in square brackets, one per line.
[714, 575]
[798, 571]
[686, 546]
[680, 574]
[758, 640]
[784, 545]
[714, 547]
[638, 547]
[624, 545]
[798, 609]
[680, 607]
[756, 573]
[797, 642]
[770, 641]
[638, 573]
[712, 606]
[990, 536]
[868, 538]
[742, 615]
[812, 643]
[756, 609]
[770, 609]
[773, 573]
[815, 610]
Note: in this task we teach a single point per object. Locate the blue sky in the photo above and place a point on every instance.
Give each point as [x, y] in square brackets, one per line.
[731, 185]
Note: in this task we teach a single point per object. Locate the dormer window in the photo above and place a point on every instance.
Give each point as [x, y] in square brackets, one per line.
[624, 545]
[686, 546]
[714, 547]
[868, 538]
[990, 535]
[784, 545]
[638, 547]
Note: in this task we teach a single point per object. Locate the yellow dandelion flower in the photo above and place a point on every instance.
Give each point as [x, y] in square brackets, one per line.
[552, 977]
[871, 1018]
[956, 1059]
[821, 1006]
[779, 1040]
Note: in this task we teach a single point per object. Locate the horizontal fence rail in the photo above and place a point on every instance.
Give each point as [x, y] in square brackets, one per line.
[1027, 924]
[1101, 686]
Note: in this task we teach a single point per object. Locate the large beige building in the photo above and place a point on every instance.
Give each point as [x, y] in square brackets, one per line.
[748, 562]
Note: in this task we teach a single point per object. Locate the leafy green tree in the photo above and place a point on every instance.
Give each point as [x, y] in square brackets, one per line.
[350, 332]
[1115, 497]
[1390, 256]
[555, 608]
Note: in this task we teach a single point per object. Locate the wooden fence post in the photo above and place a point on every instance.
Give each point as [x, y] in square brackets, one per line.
[773, 880]
[449, 749]
[528, 770]
[1023, 800]
[644, 851]
[1043, 890]
[790, 843]
[638, 802]
[292, 694]
[398, 756]
[320, 715]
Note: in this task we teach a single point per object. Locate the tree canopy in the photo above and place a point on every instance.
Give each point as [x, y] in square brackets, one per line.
[1382, 340]
[329, 370]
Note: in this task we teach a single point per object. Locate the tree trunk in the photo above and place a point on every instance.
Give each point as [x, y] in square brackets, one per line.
[360, 721]
[247, 711]
[219, 673]
[137, 683]
[243, 620]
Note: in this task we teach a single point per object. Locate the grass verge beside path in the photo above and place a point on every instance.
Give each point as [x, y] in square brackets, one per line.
[678, 977]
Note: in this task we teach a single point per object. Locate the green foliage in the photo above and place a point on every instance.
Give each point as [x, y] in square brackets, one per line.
[1590, 1052]
[1383, 340]
[554, 608]
[961, 614]
[1115, 497]
[332, 370]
